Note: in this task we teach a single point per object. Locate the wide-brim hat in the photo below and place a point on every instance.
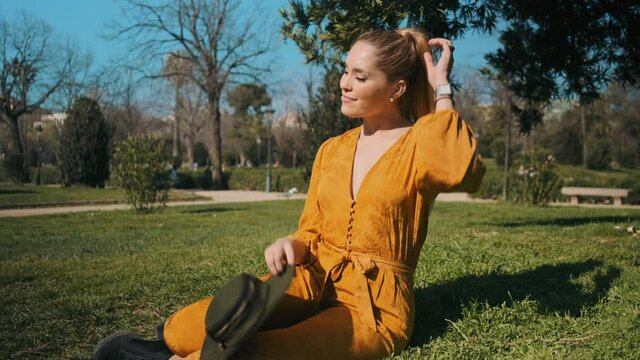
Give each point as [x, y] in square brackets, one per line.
[238, 309]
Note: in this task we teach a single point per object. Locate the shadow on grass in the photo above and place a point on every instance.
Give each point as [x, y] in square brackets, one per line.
[553, 287]
[211, 210]
[15, 191]
[569, 221]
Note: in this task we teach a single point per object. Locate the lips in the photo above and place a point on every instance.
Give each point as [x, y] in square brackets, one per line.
[346, 98]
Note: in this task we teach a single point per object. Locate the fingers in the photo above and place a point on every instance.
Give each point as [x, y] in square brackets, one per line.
[269, 260]
[288, 250]
[428, 59]
[439, 72]
[278, 254]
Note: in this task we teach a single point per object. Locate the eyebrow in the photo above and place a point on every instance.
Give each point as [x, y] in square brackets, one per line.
[357, 70]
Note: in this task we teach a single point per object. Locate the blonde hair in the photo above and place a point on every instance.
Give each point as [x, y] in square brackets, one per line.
[400, 57]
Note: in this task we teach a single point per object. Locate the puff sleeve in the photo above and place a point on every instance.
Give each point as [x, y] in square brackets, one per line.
[446, 154]
[309, 228]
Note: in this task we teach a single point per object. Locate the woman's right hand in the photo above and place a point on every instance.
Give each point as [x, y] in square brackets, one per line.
[283, 251]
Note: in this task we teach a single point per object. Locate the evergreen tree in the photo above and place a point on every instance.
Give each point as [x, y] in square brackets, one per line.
[85, 145]
[324, 118]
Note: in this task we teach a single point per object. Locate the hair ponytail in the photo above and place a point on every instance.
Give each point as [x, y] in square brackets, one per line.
[401, 57]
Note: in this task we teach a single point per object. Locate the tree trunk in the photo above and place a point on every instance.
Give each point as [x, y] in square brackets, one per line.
[584, 136]
[507, 147]
[16, 144]
[215, 151]
[189, 147]
[176, 126]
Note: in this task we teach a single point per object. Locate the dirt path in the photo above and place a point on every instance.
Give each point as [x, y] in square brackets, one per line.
[216, 197]
[233, 196]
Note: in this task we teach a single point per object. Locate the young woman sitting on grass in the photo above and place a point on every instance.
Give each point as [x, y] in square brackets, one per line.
[365, 218]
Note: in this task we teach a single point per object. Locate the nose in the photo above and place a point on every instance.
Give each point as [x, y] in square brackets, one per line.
[345, 83]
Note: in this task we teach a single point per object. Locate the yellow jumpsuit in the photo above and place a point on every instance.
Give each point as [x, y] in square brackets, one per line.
[352, 296]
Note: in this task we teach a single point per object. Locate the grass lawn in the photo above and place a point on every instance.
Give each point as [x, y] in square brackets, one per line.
[12, 196]
[493, 281]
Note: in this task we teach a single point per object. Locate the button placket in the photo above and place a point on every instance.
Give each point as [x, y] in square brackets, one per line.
[350, 226]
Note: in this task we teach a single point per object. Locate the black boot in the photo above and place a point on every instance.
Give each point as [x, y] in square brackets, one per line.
[160, 332]
[130, 346]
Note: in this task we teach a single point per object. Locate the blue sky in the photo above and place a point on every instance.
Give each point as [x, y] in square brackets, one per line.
[84, 21]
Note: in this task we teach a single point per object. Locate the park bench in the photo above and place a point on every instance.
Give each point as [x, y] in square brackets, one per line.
[576, 192]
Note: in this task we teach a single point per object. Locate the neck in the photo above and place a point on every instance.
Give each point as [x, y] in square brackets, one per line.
[387, 120]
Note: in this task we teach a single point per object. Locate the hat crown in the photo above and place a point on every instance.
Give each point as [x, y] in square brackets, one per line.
[231, 306]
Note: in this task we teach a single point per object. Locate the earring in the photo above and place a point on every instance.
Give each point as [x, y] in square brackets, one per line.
[391, 99]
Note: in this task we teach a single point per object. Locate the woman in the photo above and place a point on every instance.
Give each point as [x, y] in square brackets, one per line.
[365, 217]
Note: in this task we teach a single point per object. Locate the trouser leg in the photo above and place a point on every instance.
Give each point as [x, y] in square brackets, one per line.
[331, 334]
[184, 330]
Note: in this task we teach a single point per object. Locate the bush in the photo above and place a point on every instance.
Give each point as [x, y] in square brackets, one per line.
[491, 186]
[632, 182]
[12, 168]
[140, 168]
[282, 179]
[49, 175]
[535, 180]
[600, 155]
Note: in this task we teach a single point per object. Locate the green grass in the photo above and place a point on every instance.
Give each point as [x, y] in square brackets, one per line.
[493, 281]
[12, 196]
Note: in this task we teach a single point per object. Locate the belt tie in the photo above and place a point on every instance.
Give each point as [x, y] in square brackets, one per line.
[364, 264]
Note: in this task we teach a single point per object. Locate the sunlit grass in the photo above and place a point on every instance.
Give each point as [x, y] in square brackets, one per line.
[493, 281]
[29, 195]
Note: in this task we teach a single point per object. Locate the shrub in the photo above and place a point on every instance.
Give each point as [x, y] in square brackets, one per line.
[491, 186]
[632, 182]
[140, 168]
[282, 179]
[535, 180]
[600, 155]
[49, 174]
[13, 169]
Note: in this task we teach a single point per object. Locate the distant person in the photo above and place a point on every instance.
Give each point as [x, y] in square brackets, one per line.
[175, 180]
[195, 166]
[365, 218]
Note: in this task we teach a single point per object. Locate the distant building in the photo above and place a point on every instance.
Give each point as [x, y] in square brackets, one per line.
[54, 118]
[292, 119]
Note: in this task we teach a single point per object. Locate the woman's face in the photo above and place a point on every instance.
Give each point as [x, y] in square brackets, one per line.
[366, 91]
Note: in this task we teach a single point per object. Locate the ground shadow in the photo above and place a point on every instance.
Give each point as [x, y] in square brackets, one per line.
[572, 221]
[553, 287]
[16, 191]
[210, 210]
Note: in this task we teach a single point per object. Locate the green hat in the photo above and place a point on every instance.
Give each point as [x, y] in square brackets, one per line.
[238, 310]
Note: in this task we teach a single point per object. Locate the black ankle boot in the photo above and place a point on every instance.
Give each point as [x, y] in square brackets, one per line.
[130, 346]
[160, 332]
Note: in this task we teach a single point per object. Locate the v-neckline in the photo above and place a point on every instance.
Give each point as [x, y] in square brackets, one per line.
[353, 161]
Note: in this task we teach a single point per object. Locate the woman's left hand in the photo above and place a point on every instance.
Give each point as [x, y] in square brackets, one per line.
[438, 74]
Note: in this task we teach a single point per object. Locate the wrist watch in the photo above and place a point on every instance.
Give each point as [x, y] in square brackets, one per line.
[443, 90]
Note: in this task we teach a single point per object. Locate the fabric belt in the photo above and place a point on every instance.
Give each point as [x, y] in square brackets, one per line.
[363, 264]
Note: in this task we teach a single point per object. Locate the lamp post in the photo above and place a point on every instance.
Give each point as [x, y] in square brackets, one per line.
[38, 126]
[269, 112]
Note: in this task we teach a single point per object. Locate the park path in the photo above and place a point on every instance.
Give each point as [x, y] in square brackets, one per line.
[215, 197]
[236, 196]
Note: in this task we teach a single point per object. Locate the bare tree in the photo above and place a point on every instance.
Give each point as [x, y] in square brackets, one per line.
[76, 83]
[288, 134]
[116, 89]
[218, 48]
[33, 68]
[193, 115]
[175, 68]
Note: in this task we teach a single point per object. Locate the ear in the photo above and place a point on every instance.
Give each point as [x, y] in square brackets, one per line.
[398, 89]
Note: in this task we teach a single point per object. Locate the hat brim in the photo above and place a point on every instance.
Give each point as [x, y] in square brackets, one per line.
[269, 294]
